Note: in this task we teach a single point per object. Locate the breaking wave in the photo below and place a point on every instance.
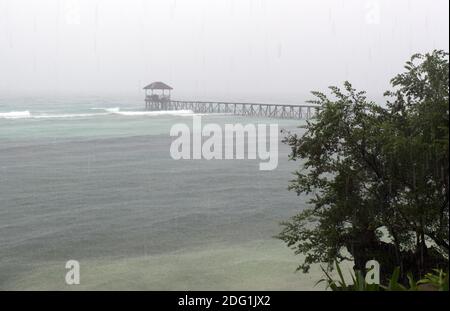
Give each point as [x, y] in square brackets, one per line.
[15, 114]
[107, 111]
[150, 113]
[116, 110]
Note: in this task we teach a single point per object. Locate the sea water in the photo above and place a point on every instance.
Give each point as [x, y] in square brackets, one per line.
[92, 180]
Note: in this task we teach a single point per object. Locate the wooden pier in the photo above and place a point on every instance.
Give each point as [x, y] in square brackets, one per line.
[162, 102]
[281, 111]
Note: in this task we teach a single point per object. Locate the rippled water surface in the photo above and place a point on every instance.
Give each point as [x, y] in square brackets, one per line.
[93, 180]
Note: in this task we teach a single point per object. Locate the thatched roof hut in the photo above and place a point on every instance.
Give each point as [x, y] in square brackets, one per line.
[158, 86]
[161, 95]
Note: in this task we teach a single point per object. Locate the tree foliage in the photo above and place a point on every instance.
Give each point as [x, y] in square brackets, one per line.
[377, 176]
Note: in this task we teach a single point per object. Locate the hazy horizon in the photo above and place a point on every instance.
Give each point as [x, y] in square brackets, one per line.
[252, 49]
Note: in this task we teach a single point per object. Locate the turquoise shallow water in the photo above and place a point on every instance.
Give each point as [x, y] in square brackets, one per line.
[92, 179]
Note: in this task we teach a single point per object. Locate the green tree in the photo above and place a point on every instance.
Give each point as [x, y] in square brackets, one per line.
[377, 177]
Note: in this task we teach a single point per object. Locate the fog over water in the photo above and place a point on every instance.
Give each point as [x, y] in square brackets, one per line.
[247, 49]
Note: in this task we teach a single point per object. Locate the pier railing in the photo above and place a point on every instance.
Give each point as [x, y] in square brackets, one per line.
[244, 109]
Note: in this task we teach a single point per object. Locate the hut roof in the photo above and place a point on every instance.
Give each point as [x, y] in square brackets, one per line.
[158, 86]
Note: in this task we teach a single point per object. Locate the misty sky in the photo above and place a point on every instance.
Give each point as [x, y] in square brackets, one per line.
[252, 49]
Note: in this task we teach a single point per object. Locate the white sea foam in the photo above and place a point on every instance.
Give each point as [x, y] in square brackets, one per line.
[28, 115]
[15, 115]
[112, 110]
[116, 110]
[107, 111]
[156, 113]
[67, 115]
